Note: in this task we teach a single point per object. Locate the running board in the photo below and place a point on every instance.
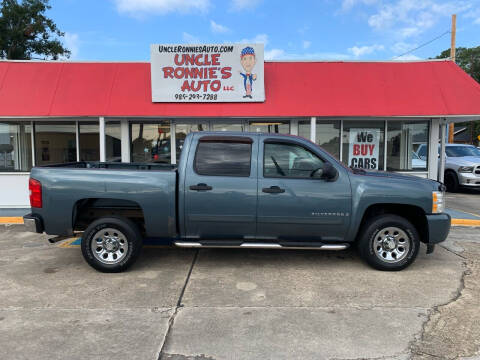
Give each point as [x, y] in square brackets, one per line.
[252, 245]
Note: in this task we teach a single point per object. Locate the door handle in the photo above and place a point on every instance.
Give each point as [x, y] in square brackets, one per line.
[200, 187]
[273, 190]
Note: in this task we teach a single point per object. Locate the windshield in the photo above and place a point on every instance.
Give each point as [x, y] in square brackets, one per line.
[461, 151]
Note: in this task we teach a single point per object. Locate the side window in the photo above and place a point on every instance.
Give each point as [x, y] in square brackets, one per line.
[222, 158]
[291, 161]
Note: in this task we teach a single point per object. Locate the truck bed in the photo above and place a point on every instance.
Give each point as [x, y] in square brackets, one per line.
[69, 188]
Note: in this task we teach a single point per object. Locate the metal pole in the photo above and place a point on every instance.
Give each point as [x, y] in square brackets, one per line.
[451, 127]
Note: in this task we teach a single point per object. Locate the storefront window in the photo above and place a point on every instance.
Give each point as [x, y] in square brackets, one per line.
[182, 130]
[227, 127]
[15, 146]
[151, 142]
[363, 144]
[277, 127]
[327, 135]
[403, 142]
[113, 141]
[55, 142]
[89, 139]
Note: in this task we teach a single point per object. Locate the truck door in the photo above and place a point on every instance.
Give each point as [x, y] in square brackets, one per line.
[221, 188]
[294, 201]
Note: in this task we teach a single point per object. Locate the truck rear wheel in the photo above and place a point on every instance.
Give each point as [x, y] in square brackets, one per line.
[389, 242]
[111, 244]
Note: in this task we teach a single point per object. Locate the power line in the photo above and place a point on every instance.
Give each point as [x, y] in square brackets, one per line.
[422, 45]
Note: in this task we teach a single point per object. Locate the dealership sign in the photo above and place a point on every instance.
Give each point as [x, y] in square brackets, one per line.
[363, 148]
[207, 73]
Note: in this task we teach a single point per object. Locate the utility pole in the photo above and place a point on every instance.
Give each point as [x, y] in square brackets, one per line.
[451, 126]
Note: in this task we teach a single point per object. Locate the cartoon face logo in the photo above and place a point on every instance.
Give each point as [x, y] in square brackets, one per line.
[248, 61]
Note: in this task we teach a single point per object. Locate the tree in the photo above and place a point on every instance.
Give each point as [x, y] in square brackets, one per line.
[25, 31]
[469, 60]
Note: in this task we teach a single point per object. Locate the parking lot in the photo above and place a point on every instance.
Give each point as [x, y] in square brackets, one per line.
[237, 304]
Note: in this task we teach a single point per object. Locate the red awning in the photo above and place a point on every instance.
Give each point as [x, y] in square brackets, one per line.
[428, 88]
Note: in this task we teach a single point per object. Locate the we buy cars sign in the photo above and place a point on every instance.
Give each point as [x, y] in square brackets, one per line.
[363, 148]
[207, 73]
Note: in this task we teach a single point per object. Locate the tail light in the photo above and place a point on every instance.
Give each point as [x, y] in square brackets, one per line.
[35, 188]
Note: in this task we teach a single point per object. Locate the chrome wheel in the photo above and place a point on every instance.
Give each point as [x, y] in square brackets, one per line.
[109, 246]
[391, 244]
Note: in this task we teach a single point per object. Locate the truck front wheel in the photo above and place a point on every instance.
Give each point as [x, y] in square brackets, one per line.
[111, 244]
[389, 242]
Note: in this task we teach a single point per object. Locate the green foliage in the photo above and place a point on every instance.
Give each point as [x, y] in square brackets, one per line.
[467, 58]
[26, 32]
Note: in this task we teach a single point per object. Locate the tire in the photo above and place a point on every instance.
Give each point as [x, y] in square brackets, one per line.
[111, 244]
[451, 181]
[375, 243]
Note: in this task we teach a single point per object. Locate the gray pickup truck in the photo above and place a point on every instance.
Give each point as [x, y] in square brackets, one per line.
[239, 190]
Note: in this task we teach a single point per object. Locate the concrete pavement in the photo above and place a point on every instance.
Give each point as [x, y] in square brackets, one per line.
[236, 304]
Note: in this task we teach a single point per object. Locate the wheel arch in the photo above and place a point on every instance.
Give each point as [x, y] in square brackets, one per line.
[414, 214]
[87, 210]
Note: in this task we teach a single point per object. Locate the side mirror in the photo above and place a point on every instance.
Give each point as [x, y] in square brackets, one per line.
[329, 172]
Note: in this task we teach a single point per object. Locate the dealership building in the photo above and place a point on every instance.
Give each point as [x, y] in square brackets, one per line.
[58, 112]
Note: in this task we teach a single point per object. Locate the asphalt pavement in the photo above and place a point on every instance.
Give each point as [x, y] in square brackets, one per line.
[237, 304]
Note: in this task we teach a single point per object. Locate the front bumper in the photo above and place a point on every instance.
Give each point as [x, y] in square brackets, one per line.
[469, 179]
[33, 223]
[438, 227]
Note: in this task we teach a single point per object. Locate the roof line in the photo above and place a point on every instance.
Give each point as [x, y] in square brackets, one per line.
[270, 117]
[267, 61]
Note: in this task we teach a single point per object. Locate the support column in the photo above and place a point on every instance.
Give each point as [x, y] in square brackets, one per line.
[101, 127]
[341, 140]
[173, 144]
[32, 138]
[77, 139]
[441, 169]
[125, 135]
[433, 149]
[294, 127]
[313, 129]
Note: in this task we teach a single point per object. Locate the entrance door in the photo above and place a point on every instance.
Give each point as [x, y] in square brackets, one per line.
[221, 188]
[294, 202]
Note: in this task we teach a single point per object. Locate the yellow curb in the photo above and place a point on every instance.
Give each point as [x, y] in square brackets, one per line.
[466, 222]
[11, 220]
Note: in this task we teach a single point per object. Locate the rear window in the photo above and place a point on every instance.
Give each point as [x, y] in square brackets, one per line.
[223, 158]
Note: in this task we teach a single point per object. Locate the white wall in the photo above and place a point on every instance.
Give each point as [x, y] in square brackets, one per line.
[14, 190]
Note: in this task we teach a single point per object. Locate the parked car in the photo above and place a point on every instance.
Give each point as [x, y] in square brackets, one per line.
[462, 165]
[417, 162]
[236, 190]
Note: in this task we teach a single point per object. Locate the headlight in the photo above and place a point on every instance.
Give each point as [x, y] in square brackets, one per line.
[465, 169]
[438, 202]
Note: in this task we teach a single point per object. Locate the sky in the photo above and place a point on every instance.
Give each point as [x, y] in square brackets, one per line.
[122, 30]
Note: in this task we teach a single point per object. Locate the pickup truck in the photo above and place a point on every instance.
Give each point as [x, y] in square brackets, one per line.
[238, 190]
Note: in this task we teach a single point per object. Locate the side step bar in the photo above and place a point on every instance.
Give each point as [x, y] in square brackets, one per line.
[252, 245]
